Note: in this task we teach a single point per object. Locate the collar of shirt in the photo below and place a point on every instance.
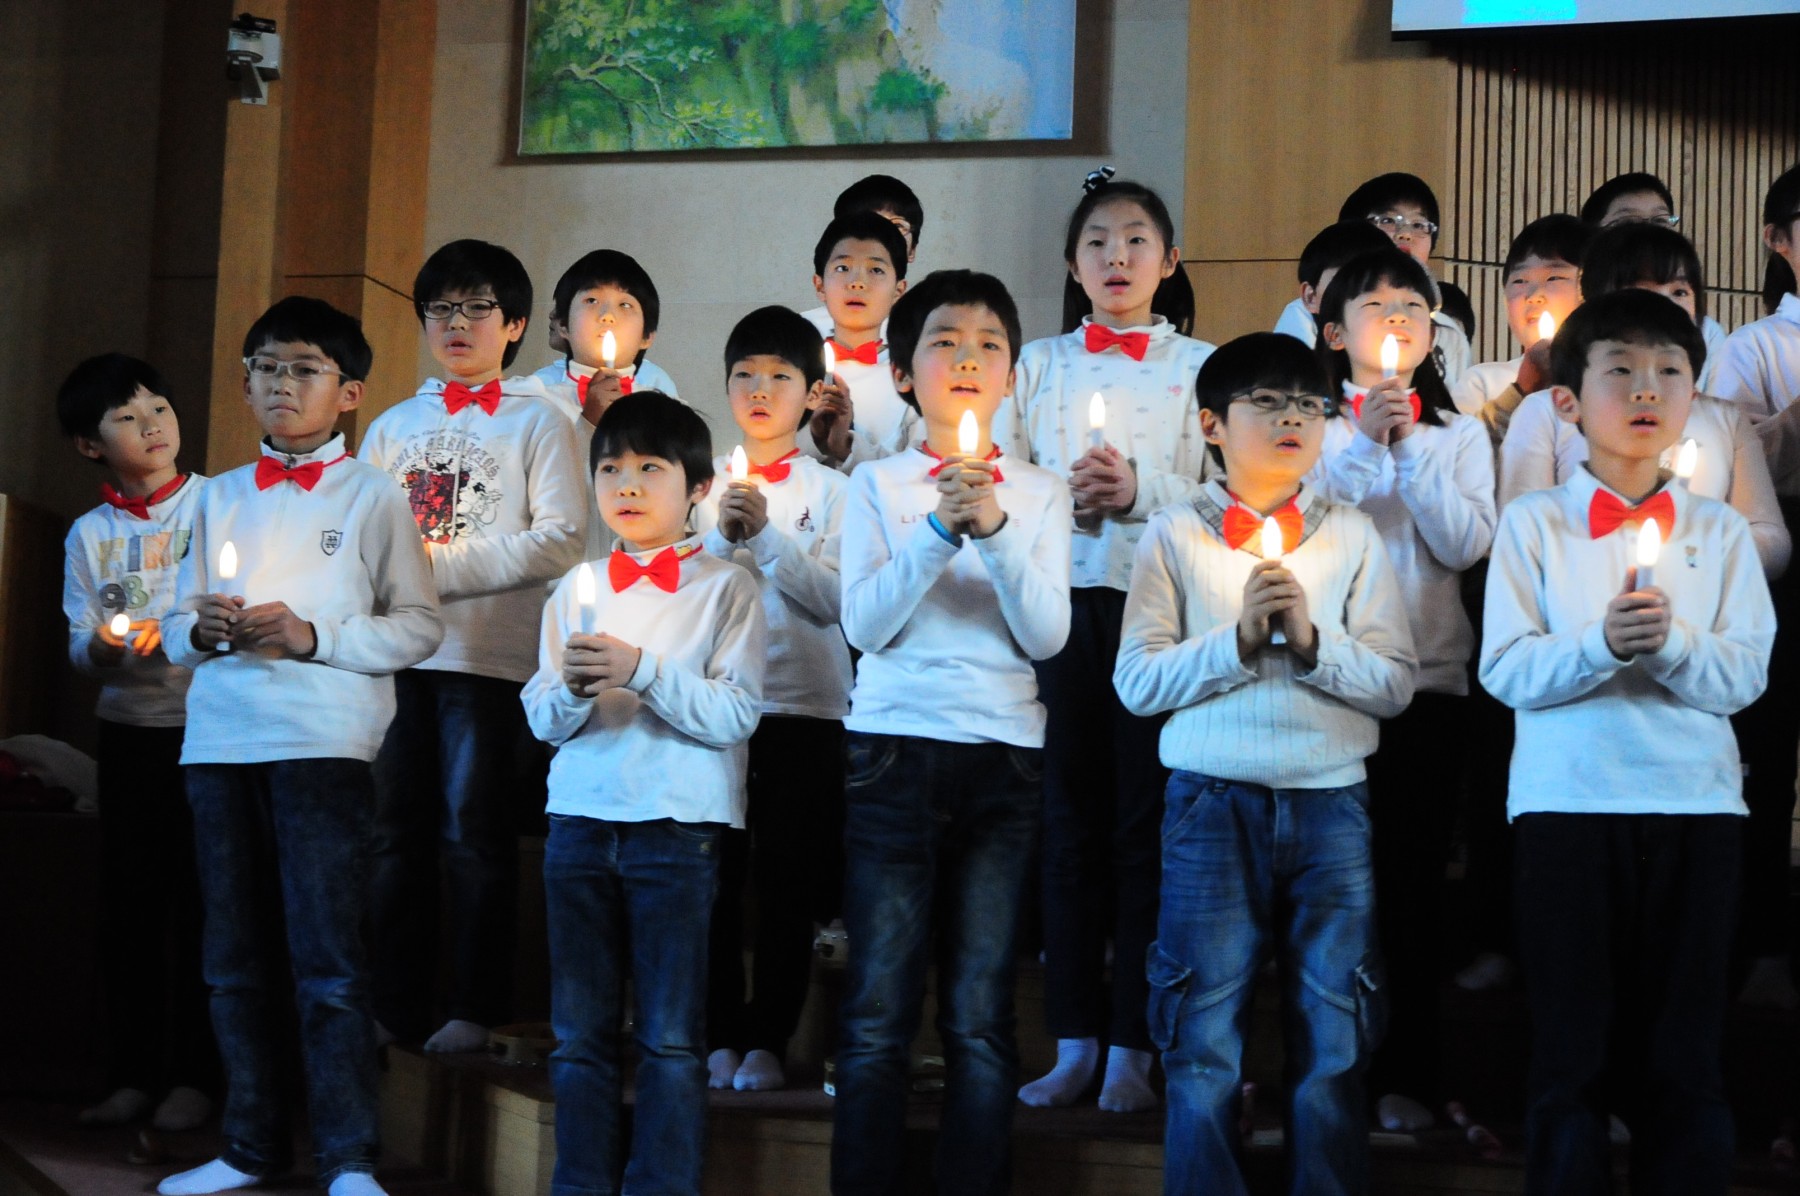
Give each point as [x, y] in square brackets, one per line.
[1158, 329]
[326, 454]
[1220, 499]
[1789, 308]
[1583, 485]
[685, 550]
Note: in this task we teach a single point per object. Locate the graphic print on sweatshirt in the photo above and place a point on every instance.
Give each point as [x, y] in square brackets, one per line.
[133, 570]
[452, 483]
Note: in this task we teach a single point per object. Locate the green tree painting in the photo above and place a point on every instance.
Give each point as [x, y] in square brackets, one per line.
[614, 76]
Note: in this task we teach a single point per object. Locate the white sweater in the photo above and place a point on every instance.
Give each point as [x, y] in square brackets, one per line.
[1542, 450]
[1151, 416]
[1431, 496]
[1759, 369]
[1266, 721]
[794, 560]
[113, 560]
[670, 743]
[345, 556]
[502, 501]
[1599, 735]
[948, 632]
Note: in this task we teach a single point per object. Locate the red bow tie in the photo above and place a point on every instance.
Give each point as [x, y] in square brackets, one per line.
[664, 570]
[1606, 513]
[866, 354]
[486, 396]
[1356, 402]
[1133, 344]
[1241, 523]
[270, 471]
[993, 455]
[581, 386]
[140, 506]
[775, 471]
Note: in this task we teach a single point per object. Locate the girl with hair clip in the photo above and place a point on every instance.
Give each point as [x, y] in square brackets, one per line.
[1405, 456]
[1110, 405]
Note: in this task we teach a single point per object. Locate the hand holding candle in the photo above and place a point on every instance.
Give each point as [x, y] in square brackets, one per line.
[1390, 357]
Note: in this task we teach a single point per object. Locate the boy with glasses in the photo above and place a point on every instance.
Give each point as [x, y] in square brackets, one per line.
[1404, 207]
[494, 476]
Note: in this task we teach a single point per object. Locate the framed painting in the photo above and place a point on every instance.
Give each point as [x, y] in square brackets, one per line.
[622, 76]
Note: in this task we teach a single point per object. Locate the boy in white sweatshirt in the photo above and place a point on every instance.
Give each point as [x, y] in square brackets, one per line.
[492, 472]
[306, 590]
[1626, 789]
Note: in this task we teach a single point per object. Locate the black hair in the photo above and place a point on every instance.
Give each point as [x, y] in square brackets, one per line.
[652, 424]
[1174, 297]
[1385, 192]
[1627, 254]
[778, 332]
[861, 226]
[100, 384]
[1336, 244]
[946, 288]
[1781, 207]
[1559, 237]
[607, 267]
[1633, 316]
[1454, 302]
[1272, 359]
[1358, 276]
[1593, 211]
[303, 320]
[469, 266]
[883, 193]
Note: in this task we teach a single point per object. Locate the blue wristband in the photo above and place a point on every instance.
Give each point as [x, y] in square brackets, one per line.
[937, 525]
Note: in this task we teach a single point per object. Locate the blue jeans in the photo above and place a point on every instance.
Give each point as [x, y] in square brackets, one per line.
[951, 825]
[288, 841]
[1248, 871]
[631, 896]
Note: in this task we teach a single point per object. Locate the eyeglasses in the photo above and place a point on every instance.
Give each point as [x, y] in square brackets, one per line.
[1393, 225]
[1662, 220]
[302, 372]
[1274, 402]
[474, 309]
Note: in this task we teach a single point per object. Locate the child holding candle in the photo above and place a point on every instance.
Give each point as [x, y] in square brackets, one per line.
[1265, 835]
[859, 270]
[119, 574]
[1424, 473]
[334, 595]
[1625, 788]
[780, 521]
[955, 578]
[493, 475]
[1125, 360]
[1404, 207]
[649, 714]
[1320, 261]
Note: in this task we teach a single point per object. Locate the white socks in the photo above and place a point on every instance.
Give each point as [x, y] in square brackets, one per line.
[1126, 1088]
[760, 1072]
[457, 1036]
[183, 1109]
[1076, 1061]
[1402, 1114]
[721, 1068]
[216, 1176]
[127, 1104]
[355, 1183]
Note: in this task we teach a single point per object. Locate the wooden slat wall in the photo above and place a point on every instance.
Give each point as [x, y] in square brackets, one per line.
[1541, 121]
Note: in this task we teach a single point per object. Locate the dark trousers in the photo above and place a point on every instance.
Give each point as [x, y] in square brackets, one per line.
[446, 782]
[1625, 935]
[792, 852]
[1487, 759]
[1414, 778]
[158, 1033]
[1103, 802]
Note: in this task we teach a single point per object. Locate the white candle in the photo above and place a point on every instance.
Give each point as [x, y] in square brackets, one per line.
[1546, 328]
[120, 625]
[968, 435]
[1271, 550]
[830, 361]
[1649, 547]
[1686, 460]
[586, 595]
[740, 464]
[609, 348]
[1097, 421]
[1390, 356]
[228, 562]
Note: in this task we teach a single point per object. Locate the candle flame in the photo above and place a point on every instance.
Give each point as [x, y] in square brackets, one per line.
[740, 464]
[609, 348]
[1271, 539]
[121, 623]
[1390, 354]
[1546, 327]
[830, 360]
[585, 591]
[1097, 411]
[228, 562]
[1649, 544]
[968, 434]
[1687, 459]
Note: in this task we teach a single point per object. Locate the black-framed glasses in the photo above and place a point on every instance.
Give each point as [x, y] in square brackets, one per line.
[1394, 225]
[474, 309]
[1274, 402]
[269, 369]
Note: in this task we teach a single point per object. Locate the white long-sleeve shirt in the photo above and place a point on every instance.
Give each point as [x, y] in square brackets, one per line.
[670, 742]
[948, 632]
[1151, 416]
[1596, 734]
[1298, 323]
[1542, 450]
[113, 561]
[345, 556]
[1269, 720]
[1484, 383]
[1431, 496]
[1759, 369]
[502, 501]
[794, 560]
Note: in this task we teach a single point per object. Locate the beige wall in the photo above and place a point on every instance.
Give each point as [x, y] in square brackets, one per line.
[724, 233]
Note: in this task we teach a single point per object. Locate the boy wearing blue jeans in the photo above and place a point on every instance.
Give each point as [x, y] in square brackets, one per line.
[1266, 827]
